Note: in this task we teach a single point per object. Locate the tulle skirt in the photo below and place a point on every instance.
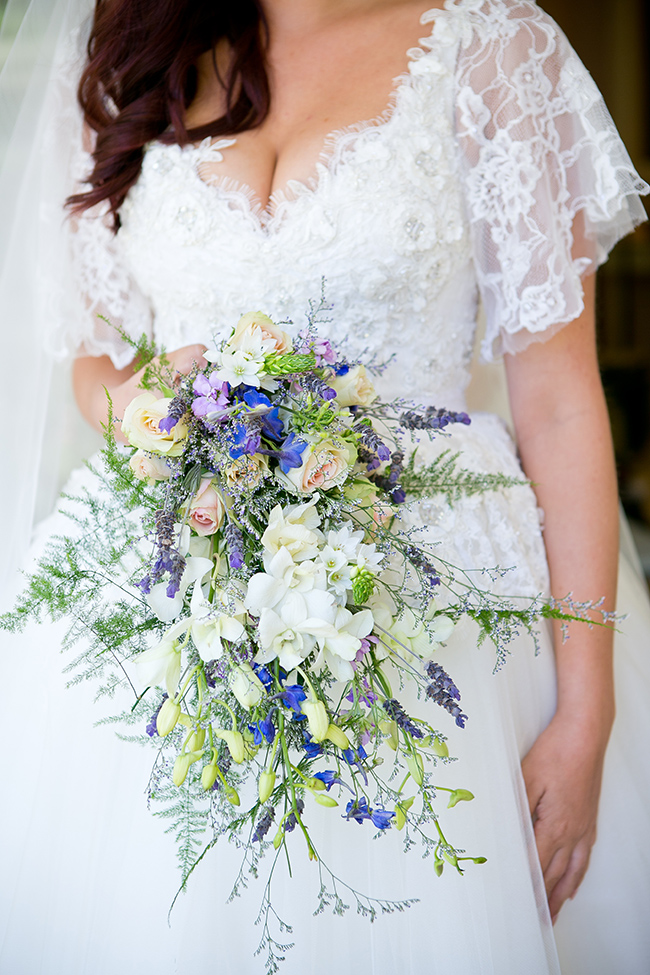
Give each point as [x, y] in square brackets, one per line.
[88, 874]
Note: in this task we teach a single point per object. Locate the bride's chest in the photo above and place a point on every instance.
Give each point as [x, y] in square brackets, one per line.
[385, 206]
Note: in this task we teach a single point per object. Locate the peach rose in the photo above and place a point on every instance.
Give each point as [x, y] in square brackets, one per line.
[275, 339]
[206, 509]
[354, 388]
[246, 471]
[140, 426]
[148, 467]
[325, 465]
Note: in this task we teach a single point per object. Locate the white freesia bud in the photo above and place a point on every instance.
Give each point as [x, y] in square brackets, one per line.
[317, 718]
[167, 717]
[338, 737]
[235, 742]
[209, 776]
[245, 685]
[266, 784]
[181, 768]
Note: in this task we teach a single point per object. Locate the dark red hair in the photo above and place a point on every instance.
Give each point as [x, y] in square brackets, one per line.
[141, 76]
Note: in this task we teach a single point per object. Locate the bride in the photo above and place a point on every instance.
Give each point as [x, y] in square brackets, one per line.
[240, 153]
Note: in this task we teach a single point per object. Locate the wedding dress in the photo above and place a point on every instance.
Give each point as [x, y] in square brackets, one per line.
[495, 139]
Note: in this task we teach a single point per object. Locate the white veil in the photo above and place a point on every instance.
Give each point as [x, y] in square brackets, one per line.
[40, 127]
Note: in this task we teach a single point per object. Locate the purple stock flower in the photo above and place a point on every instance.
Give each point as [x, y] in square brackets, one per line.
[212, 395]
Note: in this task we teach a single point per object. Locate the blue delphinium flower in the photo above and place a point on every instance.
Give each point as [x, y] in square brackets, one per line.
[359, 810]
[355, 756]
[292, 696]
[264, 674]
[290, 454]
[312, 748]
[263, 729]
[244, 439]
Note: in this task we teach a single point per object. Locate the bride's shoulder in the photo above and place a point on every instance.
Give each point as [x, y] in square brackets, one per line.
[513, 21]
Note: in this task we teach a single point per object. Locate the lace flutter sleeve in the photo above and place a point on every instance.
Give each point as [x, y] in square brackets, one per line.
[90, 284]
[550, 187]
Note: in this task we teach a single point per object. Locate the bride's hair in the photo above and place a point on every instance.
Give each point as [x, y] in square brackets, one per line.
[140, 78]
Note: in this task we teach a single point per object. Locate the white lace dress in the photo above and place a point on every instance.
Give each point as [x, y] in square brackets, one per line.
[495, 140]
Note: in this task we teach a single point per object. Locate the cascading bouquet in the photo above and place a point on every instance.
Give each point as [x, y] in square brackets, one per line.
[247, 566]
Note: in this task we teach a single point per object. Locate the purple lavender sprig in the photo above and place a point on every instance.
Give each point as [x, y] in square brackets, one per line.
[235, 543]
[432, 419]
[394, 710]
[444, 692]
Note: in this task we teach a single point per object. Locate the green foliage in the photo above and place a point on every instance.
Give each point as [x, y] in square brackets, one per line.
[443, 476]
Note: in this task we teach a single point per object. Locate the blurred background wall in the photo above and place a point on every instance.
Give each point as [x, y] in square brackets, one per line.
[613, 39]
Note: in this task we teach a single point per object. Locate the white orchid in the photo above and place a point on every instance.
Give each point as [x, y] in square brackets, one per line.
[268, 589]
[167, 608]
[339, 650]
[409, 637]
[295, 529]
[212, 622]
[162, 664]
[289, 634]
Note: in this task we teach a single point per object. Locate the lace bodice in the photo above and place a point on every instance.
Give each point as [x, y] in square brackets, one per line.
[495, 139]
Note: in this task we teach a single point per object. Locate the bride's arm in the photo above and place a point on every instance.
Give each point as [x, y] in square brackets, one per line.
[562, 429]
[93, 376]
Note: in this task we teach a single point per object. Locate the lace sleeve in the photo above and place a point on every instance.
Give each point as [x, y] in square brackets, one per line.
[550, 187]
[92, 274]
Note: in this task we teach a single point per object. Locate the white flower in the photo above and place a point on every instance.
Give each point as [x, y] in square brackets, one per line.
[338, 651]
[268, 589]
[162, 663]
[409, 637]
[167, 608]
[239, 367]
[293, 528]
[215, 621]
[245, 685]
[289, 634]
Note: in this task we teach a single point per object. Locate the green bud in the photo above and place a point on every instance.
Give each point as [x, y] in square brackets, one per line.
[416, 768]
[439, 748]
[324, 800]
[338, 737]
[167, 717]
[459, 795]
[363, 584]
[266, 784]
[232, 795]
[277, 839]
[208, 776]
[197, 740]
[181, 768]
[316, 785]
[480, 859]
[438, 866]
[281, 365]
[390, 728]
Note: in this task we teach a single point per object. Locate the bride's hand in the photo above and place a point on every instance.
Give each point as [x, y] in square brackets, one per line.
[92, 375]
[563, 772]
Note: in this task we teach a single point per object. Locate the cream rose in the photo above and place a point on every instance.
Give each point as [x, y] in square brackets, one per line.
[274, 338]
[149, 468]
[354, 388]
[140, 426]
[206, 509]
[246, 471]
[325, 465]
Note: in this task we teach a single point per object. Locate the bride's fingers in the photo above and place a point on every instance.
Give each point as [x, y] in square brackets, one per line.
[568, 884]
[183, 360]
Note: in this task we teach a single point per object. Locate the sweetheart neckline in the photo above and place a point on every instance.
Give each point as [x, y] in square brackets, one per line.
[269, 217]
